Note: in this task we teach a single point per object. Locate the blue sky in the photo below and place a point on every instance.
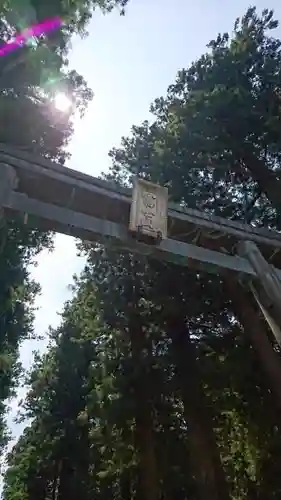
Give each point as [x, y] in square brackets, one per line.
[127, 61]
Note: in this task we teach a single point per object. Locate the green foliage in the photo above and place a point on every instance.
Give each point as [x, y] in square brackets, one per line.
[75, 14]
[18, 246]
[29, 78]
[71, 398]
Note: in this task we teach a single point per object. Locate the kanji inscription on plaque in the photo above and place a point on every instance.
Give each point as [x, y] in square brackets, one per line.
[149, 209]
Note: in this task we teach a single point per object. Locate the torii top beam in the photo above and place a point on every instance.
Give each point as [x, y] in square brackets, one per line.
[68, 201]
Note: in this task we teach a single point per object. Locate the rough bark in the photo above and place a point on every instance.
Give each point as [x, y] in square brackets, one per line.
[208, 470]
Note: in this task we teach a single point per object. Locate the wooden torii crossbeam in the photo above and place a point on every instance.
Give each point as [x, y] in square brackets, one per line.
[64, 200]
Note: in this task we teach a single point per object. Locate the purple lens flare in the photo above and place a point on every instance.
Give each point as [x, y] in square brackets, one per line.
[34, 30]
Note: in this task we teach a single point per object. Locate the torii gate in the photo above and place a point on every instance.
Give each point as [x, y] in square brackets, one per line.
[141, 220]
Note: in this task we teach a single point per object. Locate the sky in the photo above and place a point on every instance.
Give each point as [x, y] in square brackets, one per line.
[128, 62]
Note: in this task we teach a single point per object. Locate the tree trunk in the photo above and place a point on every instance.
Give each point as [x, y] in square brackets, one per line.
[255, 329]
[65, 488]
[208, 470]
[267, 180]
[144, 432]
[125, 485]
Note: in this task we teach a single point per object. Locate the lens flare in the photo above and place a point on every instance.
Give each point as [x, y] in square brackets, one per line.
[26, 36]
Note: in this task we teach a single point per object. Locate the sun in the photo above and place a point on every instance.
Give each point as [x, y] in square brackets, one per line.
[62, 102]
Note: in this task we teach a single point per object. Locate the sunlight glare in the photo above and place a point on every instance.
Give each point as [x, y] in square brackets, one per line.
[62, 102]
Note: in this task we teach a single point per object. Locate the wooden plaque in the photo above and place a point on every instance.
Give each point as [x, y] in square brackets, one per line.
[149, 209]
